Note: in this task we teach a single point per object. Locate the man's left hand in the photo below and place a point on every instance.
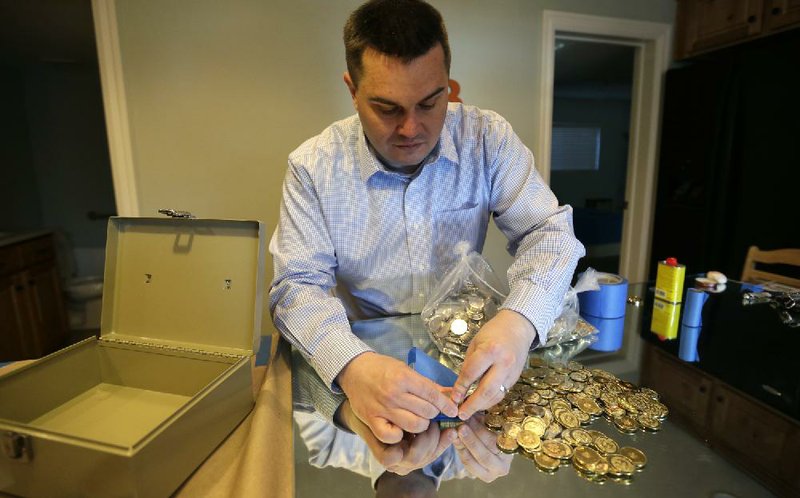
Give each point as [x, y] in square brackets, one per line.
[496, 357]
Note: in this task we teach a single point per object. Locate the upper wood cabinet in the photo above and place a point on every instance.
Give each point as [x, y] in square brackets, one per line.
[703, 25]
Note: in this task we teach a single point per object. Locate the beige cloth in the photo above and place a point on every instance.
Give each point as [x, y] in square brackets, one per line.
[257, 458]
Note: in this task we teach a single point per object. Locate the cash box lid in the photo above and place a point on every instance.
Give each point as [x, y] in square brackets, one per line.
[185, 283]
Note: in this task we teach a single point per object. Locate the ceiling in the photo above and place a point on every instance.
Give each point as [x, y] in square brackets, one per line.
[60, 31]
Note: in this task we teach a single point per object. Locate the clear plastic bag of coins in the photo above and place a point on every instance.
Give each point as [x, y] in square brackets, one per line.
[466, 297]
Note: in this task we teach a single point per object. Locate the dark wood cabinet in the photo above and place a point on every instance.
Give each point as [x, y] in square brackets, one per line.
[33, 320]
[763, 441]
[703, 25]
[687, 393]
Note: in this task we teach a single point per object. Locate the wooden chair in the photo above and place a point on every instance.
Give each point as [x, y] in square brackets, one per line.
[779, 256]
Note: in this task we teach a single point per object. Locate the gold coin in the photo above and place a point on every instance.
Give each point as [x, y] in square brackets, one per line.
[592, 390]
[537, 362]
[506, 443]
[514, 413]
[626, 424]
[583, 418]
[553, 431]
[534, 411]
[582, 437]
[557, 449]
[512, 429]
[600, 468]
[532, 398]
[574, 365]
[648, 422]
[546, 393]
[494, 421]
[619, 465]
[636, 456]
[597, 479]
[567, 419]
[546, 462]
[585, 456]
[579, 376]
[605, 444]
[529, 441]
[535, 425]
[559, 404]
[649, 393]
[566, 436]
[594, 434]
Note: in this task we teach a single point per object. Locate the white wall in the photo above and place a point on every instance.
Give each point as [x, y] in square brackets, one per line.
[219, 93]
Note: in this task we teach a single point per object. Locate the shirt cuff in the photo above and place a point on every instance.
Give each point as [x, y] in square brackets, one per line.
[334, 353]
[537, 305]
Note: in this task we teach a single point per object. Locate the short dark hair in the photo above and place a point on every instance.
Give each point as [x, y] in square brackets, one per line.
[405, 29]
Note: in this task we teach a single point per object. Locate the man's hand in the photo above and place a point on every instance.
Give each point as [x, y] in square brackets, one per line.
[390, 397]
[411, 453]
[496, 357]
[477, 449]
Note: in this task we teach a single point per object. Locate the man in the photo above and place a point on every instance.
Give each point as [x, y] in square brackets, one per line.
[372, 210]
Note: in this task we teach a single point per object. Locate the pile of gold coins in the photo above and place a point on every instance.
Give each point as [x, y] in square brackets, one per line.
[546, 414]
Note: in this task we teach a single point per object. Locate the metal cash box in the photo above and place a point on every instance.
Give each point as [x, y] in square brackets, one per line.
[137, 410]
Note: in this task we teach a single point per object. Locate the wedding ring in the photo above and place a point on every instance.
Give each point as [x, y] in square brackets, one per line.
[503, 389]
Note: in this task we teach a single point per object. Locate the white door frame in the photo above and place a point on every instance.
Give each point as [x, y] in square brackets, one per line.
[116, 108]
[651, 60]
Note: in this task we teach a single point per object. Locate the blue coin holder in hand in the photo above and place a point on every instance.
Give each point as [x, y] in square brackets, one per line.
[433, 370]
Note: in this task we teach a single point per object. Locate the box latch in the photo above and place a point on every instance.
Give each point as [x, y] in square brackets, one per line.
[17, 447]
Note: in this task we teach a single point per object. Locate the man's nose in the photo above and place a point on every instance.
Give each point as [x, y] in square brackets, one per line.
[409, 124]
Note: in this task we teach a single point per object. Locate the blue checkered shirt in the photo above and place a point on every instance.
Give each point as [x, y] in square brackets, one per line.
[356, 240]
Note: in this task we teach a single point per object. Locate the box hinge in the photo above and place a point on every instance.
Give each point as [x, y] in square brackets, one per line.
[17, 447]
[178, 349]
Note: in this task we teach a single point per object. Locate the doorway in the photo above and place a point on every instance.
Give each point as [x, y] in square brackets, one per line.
[54, 158]
[650, 43]
[592, 90]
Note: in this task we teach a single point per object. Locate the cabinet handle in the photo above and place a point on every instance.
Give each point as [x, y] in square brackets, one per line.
[752, 19]
[703, 389]
[720, 399]
[19, 288]
[776, 11]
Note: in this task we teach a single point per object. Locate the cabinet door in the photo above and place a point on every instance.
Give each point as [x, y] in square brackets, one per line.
[705, 24]
[685, 390]
[12, 320]
[751, 433]
[47, 306]
[780, 14]
[790, 463]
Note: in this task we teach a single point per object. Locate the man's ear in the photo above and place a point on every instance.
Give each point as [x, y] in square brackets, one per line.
[350, 86]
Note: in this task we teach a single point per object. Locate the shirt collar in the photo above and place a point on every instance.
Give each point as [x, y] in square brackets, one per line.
[369, 164]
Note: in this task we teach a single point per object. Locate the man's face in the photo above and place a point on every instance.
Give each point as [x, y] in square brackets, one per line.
[402, 106]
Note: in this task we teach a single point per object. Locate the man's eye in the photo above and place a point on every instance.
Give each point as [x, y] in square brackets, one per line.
[427, 107]
[387, 111]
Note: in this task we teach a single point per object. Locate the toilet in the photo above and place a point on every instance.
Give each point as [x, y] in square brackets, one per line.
[84, 301]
